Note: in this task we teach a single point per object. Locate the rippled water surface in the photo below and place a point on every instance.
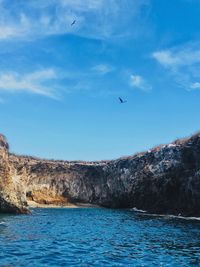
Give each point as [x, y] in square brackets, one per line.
[97, 237]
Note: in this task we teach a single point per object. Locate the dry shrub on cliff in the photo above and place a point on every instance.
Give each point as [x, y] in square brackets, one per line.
[3, 142]
[181, 141]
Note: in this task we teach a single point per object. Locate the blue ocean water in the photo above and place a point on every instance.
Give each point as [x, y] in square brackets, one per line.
[97, 237]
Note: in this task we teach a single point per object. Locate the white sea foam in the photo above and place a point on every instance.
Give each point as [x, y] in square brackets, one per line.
[182, 217]
[167, 216]
[138, 210]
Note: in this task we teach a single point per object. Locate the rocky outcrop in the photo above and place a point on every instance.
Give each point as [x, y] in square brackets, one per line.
[165, 179]
[12, 195]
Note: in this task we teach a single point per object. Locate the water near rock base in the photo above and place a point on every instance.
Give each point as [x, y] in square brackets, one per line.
[98, 237]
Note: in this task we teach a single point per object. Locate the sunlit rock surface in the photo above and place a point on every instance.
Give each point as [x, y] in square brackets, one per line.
[12, 191]
[165, 179]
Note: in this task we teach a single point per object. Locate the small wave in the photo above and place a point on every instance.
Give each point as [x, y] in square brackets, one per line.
[182, 217]
[138, 210]
[166, 216]
[170, 216]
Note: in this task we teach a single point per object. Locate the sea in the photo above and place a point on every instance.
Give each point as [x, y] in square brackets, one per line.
[98, 237]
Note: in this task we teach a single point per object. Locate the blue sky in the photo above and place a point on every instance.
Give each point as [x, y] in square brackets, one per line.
[59, 84]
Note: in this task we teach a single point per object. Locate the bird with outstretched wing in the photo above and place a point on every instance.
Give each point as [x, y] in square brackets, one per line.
[122, 101]
[73, 22]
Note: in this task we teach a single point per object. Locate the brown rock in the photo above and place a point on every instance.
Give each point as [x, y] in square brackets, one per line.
[12, 197]
[165, 179]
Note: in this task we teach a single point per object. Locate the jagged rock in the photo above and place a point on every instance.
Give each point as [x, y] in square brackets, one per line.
[12, 197]
[165, 179]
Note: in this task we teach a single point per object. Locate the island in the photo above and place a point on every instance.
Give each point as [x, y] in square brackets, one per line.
[162, 180]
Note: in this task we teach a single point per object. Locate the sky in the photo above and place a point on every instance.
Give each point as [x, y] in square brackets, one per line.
[59, 84]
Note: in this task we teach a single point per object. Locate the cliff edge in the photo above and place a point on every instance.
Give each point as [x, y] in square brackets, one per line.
[165, 180]
[12, 196]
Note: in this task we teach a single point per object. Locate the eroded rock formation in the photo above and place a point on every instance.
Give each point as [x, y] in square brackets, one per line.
[165, 179]
[12, 192]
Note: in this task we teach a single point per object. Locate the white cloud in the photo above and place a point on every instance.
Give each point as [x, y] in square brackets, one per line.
[166, 58]
[139, 82]
[32, 82]
[102, 69]
[99, 19]
[195, 86]
[7, 32]
[183, 63]
[177, 58]
[81, 5]
[54, 83]
[47, 74]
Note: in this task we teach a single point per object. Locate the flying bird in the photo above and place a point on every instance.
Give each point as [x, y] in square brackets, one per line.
[122, 101]
[73, 22]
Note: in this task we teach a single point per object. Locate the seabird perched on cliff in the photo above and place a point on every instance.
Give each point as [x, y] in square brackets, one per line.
[73, 22]
[122, 101]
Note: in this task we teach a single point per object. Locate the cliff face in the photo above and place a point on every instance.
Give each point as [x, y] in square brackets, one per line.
[12, 195]
[165, 179]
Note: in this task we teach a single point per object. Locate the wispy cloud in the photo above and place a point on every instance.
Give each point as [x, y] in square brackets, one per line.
[176, 58]
[183, 62]
[94, 18]
[102, 69]
[7, 32]
[195, 86]
[54, 83]
[138, 82]
[166, 58]
[35, 82]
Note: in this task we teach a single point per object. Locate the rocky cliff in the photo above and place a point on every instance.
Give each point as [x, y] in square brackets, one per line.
[12, 193]
[165, 179]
